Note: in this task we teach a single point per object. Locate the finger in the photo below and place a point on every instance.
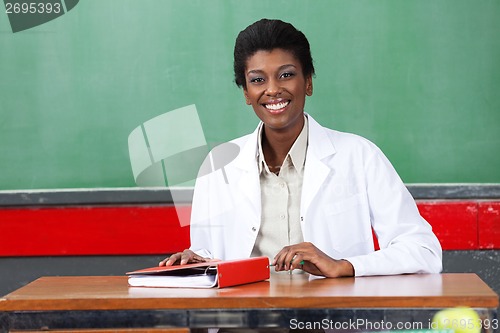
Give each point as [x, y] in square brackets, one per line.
[163, 262]
[173, 259]
[279, 264]
[311, 269]
[186, 257]
[170, 260]
[295, 255]
[280, 260]
[291, 260]
[277, 261]
[285, 261]
[189, 256]
[297, 262]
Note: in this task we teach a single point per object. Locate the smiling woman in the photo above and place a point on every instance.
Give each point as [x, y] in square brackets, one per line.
[305, 196]
[276, 89]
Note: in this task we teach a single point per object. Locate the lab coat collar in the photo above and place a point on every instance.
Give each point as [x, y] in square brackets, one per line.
[246, 160]
[315, 171]
[319, 146]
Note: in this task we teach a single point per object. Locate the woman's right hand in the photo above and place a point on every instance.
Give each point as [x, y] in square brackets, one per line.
[181, 258]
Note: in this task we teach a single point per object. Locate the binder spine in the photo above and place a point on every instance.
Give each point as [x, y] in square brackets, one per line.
[232, 273]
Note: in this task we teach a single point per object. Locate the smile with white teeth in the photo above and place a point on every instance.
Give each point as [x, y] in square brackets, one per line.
[276, 106]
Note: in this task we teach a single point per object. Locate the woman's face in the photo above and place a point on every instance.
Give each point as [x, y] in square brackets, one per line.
[276, 89]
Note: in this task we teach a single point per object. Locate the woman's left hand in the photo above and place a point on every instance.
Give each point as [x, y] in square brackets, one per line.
[314, 261]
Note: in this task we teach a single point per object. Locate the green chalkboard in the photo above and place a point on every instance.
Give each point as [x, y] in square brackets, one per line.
[420, 78]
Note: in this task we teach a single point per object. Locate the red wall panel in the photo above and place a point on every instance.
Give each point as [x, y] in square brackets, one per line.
[454, 223]
[489, 225]
[92, 231]
[138, 230]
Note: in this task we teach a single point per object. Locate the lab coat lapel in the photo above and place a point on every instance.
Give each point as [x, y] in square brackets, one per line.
[248, 183]
[315, 170]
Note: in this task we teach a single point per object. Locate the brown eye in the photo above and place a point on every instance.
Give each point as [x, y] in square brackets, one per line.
[256, 80]
[287, 75]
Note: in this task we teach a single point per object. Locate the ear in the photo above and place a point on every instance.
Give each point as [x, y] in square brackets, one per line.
[309, 86]
[247, 99]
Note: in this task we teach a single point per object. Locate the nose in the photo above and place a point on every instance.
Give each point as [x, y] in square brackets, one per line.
[273, 88]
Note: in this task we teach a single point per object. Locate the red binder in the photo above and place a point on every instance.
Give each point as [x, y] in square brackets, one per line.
[219, 274]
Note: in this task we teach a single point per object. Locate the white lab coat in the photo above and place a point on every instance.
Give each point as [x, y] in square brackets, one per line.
[349, 187]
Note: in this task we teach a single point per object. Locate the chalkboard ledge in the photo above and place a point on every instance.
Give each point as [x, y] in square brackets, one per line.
[163, 195]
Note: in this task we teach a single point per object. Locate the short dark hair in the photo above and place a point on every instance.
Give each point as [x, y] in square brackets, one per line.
[267, 35]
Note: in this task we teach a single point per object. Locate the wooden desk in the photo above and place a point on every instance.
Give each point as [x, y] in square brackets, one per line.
[108, 302]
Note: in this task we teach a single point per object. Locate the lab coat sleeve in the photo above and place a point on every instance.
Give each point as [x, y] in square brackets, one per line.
[407, 243]
[200, 231]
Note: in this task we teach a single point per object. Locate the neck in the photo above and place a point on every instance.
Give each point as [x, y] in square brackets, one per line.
[276, 144]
